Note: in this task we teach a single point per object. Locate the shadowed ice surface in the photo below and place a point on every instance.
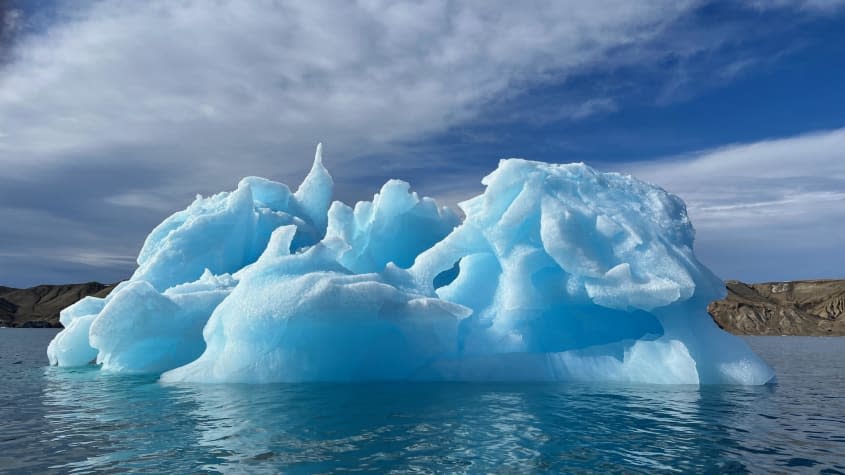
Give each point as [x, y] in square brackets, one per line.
[82, 420]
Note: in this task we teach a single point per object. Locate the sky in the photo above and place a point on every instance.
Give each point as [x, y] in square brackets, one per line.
[116, 113]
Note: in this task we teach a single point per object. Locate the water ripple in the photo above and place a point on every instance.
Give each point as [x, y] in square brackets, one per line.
[88, 421]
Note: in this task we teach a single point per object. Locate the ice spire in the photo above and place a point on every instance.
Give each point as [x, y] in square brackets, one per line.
[314, 194]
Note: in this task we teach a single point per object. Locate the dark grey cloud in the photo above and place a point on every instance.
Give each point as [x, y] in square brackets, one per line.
[11, 20]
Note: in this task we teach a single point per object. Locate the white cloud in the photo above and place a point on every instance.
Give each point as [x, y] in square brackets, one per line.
[807, 5]
[775, 204]
[197, 94]
[236, 79]
[140, 200]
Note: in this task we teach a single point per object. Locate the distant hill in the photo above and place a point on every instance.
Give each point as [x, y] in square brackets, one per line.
[810, 307]
[39, 306]
[813, 307]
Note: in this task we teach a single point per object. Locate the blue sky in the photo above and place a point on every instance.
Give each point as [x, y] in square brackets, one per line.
[114, 114]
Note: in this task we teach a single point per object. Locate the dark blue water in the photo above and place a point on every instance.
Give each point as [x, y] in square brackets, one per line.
[83, 421]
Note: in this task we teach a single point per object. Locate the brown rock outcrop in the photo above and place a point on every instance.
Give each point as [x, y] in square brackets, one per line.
[810, 307]
[39, 306]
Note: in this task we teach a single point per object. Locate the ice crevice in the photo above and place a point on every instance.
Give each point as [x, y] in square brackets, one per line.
[557, 272]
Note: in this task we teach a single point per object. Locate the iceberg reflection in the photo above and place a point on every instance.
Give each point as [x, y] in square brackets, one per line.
[112, 421]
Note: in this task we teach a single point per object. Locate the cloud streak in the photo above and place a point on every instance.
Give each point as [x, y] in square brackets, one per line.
[774, 209]
[277, 73]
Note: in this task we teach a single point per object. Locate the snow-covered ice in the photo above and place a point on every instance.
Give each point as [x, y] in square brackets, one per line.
[556, 273]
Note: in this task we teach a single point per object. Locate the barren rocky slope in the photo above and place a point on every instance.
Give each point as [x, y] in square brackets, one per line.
[812, 307]
[39, 306]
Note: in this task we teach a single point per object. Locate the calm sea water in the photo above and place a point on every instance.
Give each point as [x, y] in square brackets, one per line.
[83, 421]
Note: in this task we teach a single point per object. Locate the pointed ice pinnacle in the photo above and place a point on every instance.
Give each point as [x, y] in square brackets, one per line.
[314, 194]
[318, 156]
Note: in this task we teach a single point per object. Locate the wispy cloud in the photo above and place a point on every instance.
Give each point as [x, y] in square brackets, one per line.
[766, 210]
[812, 6]
[279, 75]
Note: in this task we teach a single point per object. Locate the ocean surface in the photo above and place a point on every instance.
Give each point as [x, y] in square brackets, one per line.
[85, 421]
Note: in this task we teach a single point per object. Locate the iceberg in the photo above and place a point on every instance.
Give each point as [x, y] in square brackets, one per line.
[555, 273]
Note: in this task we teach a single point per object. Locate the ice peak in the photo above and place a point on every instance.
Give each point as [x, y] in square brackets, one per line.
[314, 194]
[317, 176]
[318, 155]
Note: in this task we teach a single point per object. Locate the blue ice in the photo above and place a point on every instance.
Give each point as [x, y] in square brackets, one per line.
[555, 273]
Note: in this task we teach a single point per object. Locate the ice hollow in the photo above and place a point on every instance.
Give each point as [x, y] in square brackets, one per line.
[556, 273]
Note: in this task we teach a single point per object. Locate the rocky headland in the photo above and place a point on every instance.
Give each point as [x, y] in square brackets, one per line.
[810, 307]
[39, 306]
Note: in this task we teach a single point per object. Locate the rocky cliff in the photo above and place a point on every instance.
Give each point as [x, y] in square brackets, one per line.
[812, 307]
[39, 307]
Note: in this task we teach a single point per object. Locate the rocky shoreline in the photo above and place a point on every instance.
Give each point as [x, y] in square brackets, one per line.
[806, 308]
[39, 306]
